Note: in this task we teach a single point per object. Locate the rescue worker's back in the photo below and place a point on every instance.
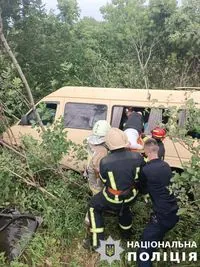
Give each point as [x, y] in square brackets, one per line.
[117, 171]
[123, 172]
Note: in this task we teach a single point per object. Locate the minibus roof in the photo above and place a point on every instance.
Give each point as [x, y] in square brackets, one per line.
[125, 94]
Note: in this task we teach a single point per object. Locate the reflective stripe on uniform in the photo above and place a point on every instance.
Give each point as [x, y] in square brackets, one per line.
[145, 139]
[116, 197]
[137, 172]
[117, 201]
[110, 199]
[112, 180]
[97, 230]
[125, 227]
[94, 234]
[135, 192]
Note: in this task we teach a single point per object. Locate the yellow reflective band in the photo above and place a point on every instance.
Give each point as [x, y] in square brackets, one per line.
[116, 197]
[97, 230]
[145, 138]
[146, 159]
[128, 200]
[112, 180]
[137, 172]
[115, 201]
[94, 234]
[135, 192]
[110, 199]
[146, 198]
[103, 180]
[125, 227]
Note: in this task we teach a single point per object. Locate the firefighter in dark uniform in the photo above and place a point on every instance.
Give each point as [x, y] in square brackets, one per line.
[118, 171]
[153, 180]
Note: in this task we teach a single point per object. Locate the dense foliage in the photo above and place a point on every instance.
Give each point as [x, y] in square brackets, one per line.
[137, 45]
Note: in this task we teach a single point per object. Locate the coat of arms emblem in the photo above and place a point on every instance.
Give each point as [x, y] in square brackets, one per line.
[110, 250]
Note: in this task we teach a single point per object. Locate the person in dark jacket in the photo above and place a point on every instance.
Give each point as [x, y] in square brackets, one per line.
[133, 129]
[117, 171]
[126, 114]
[154, 179]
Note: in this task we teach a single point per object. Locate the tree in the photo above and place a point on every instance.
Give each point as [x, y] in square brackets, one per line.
[69, 11]
[9, 12]
[184, 38]
[14, 11]
[131, 23]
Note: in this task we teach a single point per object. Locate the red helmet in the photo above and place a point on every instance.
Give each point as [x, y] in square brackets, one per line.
[158, 133]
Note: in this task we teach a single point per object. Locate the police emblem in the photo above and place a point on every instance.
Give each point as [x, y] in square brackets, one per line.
[110, 250]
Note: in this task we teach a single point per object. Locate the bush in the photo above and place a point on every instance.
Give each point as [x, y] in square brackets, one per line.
[34, 182]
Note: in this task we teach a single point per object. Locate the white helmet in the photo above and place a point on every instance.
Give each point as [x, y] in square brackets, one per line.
[101, 128]
[99, 131]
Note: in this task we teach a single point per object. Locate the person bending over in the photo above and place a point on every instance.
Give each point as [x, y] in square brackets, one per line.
[133, 129]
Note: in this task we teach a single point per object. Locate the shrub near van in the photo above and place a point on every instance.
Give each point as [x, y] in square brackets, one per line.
[81, 107]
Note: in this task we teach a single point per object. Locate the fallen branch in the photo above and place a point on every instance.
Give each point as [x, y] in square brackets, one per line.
[11, 148]
[28, 182]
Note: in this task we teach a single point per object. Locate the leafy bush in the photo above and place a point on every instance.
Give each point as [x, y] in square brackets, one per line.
[34, 182]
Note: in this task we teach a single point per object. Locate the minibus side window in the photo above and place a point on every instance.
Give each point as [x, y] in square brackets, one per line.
[119, 117]
[83, 115]
[47, 112]
[152, 117]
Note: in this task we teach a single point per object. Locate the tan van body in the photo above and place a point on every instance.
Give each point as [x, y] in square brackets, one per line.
[107, 98]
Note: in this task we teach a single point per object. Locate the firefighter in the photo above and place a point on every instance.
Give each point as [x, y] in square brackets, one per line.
[159, 135]
[154, 179]
[117, 171]
[96, 151]
[133, 129]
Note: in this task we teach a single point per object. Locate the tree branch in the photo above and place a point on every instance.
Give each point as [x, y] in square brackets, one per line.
[28, 182]
[149, 56]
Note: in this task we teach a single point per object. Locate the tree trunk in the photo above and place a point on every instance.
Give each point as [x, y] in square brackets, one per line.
[21, 74]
